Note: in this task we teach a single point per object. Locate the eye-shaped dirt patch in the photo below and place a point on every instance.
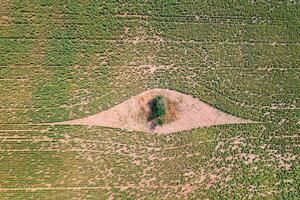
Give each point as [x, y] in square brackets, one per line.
[184, 112]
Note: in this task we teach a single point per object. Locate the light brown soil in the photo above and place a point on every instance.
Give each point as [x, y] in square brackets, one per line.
[132, 114]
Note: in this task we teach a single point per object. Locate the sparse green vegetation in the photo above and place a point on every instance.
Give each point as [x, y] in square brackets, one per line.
[62, 60]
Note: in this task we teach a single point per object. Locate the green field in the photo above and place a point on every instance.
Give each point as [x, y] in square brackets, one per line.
[63, 60]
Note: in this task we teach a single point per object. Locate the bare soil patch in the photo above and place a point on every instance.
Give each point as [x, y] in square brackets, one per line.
[187, 113]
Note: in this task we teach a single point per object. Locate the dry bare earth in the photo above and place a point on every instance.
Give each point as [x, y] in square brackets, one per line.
[132, 114]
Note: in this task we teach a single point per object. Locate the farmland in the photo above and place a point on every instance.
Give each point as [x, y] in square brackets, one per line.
[67, 60]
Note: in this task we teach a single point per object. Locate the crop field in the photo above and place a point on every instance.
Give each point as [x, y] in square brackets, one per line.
[64, 60]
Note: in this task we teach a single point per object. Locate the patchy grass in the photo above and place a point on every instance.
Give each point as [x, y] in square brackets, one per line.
[66, 60]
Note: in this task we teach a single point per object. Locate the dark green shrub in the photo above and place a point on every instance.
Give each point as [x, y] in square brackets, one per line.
[158, 107]
[158, 110]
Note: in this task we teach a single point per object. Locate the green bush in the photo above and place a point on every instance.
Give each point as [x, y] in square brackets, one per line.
[158, 107]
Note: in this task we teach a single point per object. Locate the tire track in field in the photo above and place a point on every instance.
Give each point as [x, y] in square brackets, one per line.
[152, 41]
[128, 187]
[210, 67]
[197, 19]
[295, 136]
[100, 187]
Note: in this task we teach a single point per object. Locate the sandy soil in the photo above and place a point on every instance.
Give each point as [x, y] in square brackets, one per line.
[130, 114]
